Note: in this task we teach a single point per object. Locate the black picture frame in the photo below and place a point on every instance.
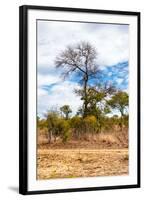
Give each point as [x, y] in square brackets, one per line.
[23, 98]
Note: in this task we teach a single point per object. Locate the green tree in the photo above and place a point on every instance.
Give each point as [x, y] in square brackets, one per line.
[120, 102]
[52, 125]
[66, 111]
[80, 59]
[97, 98]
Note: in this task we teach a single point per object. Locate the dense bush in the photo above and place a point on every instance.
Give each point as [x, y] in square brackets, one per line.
[57, 127]
[42, 124]
[76, 123]
[95, 120]
[89, 124]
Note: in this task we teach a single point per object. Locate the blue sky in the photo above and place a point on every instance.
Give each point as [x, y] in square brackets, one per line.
[111, 42]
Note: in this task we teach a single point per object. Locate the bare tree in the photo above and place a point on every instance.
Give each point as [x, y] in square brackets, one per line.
[79, 59]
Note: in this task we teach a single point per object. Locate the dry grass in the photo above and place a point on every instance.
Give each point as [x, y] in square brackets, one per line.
[104, 154]
[70, 163]
[103, 140]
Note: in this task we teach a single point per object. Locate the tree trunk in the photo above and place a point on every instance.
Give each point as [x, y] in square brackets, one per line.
[49, 137]
[121, 123]
[85, 96]
[66, 116]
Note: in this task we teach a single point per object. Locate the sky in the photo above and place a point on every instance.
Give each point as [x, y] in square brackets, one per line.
[111, 42]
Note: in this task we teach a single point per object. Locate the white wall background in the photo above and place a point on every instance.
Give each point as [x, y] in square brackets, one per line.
[9, 50]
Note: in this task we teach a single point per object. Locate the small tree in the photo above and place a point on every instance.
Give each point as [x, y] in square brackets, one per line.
[52, 124]
[119, 102]
[57, 127]
[66, 111]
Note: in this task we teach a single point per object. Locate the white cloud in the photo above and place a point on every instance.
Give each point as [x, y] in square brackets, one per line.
[58, 96]
[119, 80]
[48, 79]
[109, 73]
[111, 42]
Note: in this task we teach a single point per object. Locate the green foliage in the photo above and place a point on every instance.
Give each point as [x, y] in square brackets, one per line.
[66, 136]
[126, 120]
[76, 123]
[41, 123]
[58, 126]
[108, 124]
[119, 101]
[89, 124]
[64, 129]
[53, 123]
[96, 101]
[66, 110]
[96, 119]
[82, 126]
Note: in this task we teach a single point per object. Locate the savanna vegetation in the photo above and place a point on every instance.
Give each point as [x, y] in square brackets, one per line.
[100, 123]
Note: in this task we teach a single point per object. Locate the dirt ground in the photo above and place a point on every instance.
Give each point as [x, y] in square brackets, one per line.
[71, 163]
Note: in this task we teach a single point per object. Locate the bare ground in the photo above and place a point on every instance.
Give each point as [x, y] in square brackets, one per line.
[70, 163]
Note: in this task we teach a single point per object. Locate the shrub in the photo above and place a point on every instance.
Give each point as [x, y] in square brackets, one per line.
[42, 123]
[64, 129]
[90, 124]
[57, 127]
[76, 123]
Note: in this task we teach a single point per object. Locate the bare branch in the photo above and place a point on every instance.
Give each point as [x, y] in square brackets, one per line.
[80, 57]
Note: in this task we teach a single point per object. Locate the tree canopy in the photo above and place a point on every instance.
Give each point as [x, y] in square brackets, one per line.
[66, 110]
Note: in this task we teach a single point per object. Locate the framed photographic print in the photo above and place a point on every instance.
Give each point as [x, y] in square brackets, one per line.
[79, 100]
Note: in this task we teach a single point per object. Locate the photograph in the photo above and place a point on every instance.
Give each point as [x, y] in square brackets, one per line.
[79, 99]
[82, 99]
